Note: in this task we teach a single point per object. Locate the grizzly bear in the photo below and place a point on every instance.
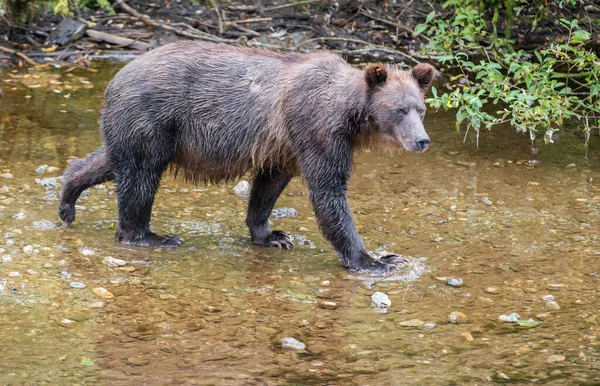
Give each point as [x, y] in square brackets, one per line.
[216, 112]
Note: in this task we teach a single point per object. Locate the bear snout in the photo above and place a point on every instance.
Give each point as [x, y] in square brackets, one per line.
[422, 142]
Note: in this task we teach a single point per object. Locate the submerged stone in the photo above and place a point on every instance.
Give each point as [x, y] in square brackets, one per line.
[381, 300]
[292, 343]
[457, 317]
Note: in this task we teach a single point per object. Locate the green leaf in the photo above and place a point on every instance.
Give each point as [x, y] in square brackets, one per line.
[85, 362]
[419, 29]
[62, 358]
[430, 17]
[528, 323]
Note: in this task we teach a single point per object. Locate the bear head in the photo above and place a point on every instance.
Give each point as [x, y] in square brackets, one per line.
[397, 105]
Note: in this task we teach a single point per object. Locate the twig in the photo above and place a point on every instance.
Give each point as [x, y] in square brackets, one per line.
[247, 31]
[358, 41]
[247, 21]
[19, 54]
[196, 34]
[388, 22]
[289, 5]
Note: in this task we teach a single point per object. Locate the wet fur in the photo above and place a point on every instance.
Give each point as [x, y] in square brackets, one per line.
[216, 112]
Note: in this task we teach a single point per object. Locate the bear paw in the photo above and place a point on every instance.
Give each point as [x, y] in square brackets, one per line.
[66, 212]
[276, 239]
[153, 240]
[382, 266]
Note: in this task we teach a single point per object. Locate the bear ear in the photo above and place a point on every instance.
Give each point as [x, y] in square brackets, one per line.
[375, 74]
[423, 74]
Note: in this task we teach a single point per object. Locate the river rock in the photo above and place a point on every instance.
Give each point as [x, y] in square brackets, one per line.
[292, 343]
[77, 284]
[455, 282]
[284, 212]
[113, 262]
[328, 305]
[412, 323]
[381, 300]
[457, 317]
[512, 318]
[242, 189]
[493, 290]
[102, 293]
[49, 183]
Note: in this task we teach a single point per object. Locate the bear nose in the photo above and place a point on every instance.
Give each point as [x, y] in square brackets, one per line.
[422, 142]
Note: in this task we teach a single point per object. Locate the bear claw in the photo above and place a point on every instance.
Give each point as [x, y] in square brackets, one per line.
[276, 239]
[385, 265]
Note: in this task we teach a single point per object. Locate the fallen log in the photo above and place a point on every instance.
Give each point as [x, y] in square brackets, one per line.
[117, 40]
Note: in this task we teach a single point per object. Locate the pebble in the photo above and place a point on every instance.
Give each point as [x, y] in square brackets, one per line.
[555, 358]
[555, 373]
[292, 343]
[501, 377]
[85, 251]
[45, 225]
[28, 249]
[242, 189]
[113, 262]
[468, 336]
[438, 239]
[284, 212]
[20, 216]
[6, 259]
[328, 305]
[65, 275]
[77, 284]
[548, 298]
[102, 293]
[14, 274]
[10, 243]
[98, 304]
[31, 272]
[429, 325]
[493, 290]
[412, 323]
[457, 317]
[512, 318]
[455, 282]
[381, 300]
[6, 175]
[552, 304]
[49, 183]
[487, 201]
[67, 322]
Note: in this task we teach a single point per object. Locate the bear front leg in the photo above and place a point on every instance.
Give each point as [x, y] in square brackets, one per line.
[266, 188]
[327, 182]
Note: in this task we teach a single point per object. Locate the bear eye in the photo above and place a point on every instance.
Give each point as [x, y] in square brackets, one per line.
[401, 111]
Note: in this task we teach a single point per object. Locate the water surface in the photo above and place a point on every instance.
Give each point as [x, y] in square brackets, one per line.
[515, 222]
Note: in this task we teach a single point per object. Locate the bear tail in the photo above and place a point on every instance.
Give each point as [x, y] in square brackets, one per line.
[80, 175]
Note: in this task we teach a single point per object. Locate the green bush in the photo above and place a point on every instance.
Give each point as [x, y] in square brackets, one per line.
[538, 92]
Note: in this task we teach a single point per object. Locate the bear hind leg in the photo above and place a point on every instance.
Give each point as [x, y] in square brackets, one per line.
[138, 178]
[266, 188]
[80, 175]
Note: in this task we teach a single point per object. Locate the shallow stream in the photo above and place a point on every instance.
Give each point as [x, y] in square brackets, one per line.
[517, 224]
